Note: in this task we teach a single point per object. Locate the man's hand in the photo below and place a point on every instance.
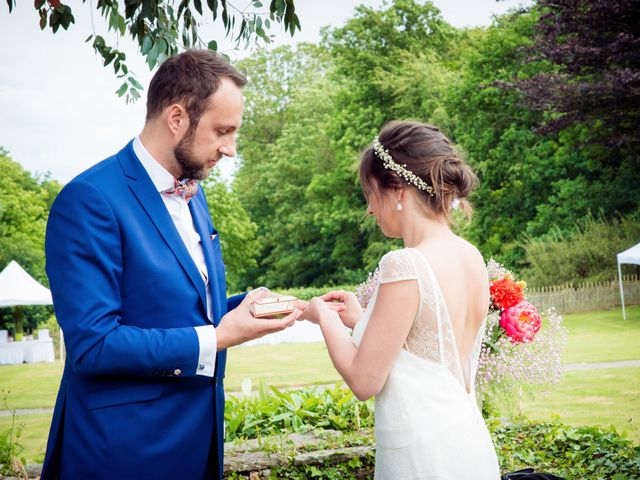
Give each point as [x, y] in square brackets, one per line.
[239, 326]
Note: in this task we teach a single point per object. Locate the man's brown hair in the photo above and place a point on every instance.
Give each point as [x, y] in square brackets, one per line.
[189, 79]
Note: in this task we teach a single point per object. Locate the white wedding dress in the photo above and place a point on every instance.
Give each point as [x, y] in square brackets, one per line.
[427, 422]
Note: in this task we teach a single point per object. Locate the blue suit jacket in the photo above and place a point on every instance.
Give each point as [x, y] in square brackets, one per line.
[127, 295]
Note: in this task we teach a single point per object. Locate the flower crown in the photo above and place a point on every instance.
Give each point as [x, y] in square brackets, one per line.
[401, 170]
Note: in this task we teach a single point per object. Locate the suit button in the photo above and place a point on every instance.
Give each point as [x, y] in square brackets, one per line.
[201, 366]
[177, 372]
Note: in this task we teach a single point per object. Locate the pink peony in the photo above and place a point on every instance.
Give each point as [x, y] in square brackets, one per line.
[521, 322]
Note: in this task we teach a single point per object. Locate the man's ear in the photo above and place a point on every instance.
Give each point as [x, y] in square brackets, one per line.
[177, 119]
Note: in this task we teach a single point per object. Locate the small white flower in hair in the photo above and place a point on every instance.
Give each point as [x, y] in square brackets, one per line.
[455, 203]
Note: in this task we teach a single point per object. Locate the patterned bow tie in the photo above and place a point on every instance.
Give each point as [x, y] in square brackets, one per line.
[186, 188]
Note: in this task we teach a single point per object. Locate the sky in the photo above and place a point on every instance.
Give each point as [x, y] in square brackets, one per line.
[59, 113]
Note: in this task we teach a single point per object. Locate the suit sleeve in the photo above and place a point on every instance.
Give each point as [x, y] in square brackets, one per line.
[84, 265]
[234, 301]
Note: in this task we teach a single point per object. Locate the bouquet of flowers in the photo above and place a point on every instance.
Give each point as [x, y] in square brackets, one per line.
[518, 350]
[366, 289]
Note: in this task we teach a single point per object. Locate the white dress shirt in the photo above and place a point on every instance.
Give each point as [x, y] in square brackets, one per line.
[181, 215]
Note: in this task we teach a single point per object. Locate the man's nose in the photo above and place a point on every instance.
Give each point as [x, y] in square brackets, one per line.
[228, 148]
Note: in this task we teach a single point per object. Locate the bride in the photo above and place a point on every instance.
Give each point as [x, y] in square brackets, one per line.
[416, 346]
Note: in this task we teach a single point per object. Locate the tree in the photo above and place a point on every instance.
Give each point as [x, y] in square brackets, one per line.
[589, 97]
[594, 48]
[237, 231]
[24, 209]
[162, 27]
[283, 144]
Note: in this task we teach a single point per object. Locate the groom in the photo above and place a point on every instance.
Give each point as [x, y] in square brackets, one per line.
[138, 285]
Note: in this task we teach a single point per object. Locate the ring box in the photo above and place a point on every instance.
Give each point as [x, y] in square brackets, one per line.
[273, 306]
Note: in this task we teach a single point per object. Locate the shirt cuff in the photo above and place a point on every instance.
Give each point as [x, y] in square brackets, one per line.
[208, 349]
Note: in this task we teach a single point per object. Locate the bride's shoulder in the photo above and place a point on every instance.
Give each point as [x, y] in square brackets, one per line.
[473, 259]
[395, 263]
[394, 256]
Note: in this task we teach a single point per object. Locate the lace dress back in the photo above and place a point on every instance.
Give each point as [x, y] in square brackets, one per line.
[428, 424]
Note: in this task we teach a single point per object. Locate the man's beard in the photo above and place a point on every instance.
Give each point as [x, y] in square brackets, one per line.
[191, 167]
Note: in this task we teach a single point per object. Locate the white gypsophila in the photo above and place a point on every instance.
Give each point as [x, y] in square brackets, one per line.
[401, 170]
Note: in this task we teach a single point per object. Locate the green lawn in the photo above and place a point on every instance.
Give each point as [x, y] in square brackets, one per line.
[35, 429]
[603, 336]
[30, 385]
[280, 365]
[597, 397]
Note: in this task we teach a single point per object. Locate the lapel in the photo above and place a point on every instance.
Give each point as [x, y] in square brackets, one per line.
[145, 192]
[200, 214]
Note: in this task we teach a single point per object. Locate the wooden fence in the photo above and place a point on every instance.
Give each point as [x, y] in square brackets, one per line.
[585, 297]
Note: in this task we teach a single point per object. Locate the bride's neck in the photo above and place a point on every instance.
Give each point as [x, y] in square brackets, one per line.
[418, 229]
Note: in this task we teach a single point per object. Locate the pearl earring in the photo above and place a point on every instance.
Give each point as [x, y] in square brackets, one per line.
[399, 206]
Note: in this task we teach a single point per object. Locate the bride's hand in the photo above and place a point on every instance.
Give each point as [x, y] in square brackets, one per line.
[316, 309]
[351, 311]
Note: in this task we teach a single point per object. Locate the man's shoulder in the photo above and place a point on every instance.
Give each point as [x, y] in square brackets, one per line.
[105, 179]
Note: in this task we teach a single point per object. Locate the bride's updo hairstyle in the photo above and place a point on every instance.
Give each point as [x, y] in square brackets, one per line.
[424, 151]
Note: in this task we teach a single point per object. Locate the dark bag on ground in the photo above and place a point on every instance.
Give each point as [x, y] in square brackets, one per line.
[529, 474]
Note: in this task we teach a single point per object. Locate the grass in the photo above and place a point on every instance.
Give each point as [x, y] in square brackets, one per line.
[592, 397]
[595, 397]
[603, 336]
[31, 385]
[35, 430]
[281, 365]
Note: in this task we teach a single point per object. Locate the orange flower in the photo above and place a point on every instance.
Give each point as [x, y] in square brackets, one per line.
[506, 292]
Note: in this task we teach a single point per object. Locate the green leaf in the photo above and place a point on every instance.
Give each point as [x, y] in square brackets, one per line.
[122, 90]
[88, 38]
[37, 4]
[135, 83]
[213, 6]
[280, 7]
[152, 56]
[213, 45]
[122, 27]
[198, 6]
[162, 45]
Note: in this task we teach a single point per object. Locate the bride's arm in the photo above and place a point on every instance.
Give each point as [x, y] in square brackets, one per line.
[365, 369]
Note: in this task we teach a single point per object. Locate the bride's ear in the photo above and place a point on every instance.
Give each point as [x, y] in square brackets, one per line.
[399, 194]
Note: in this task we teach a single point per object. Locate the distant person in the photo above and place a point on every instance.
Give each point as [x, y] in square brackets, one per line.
[416, 346]
[138, 286]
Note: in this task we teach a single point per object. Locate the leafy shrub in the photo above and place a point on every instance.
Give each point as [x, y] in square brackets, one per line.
[10, 446]
[588, 253]
[54, 332]
[274, 411]
[567, 451]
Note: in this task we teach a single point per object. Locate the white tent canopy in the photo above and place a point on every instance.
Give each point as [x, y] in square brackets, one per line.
[632, 255]
[17, 287]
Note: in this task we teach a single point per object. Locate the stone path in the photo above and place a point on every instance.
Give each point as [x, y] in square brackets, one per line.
[569, 367]
[597, 366]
